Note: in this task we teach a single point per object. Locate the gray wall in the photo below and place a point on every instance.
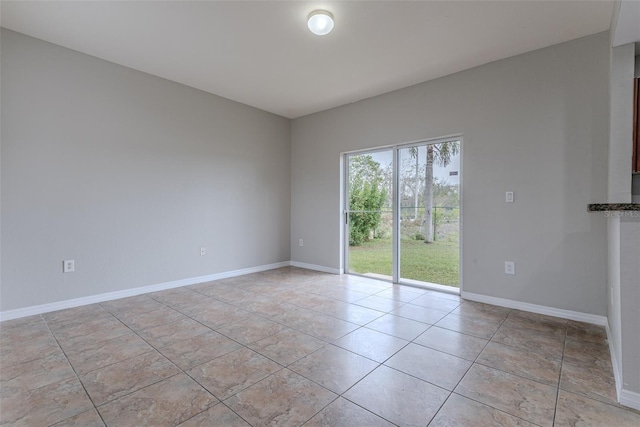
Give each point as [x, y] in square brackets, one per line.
[621, 120]
[619, 176]
[536, 124]
[129, 175]
[630, 300]
[635, 183]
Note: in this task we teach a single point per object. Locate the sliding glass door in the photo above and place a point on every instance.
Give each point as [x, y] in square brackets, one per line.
[369, 213]
[403, 213]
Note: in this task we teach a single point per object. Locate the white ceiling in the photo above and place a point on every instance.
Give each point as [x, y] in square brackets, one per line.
[261, 53]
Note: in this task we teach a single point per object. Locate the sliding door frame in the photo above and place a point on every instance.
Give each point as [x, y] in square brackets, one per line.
[395, 208]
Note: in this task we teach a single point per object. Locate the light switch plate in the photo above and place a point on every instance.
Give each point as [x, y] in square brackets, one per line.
[508, 197]
[509, 267]
[68, 266]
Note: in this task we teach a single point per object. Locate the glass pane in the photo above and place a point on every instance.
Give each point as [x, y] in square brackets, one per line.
[370, 180]
[429, 189]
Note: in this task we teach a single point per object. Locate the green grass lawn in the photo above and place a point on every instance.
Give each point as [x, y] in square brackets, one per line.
[436, 262]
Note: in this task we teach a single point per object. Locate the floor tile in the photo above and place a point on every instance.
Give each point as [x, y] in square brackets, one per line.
[124, 377]
[22, 324]
[379, 303]
[476, 326]
[400, 327]
[378, 392]
[107, 353]
[164, 335]
[339, 293]
[71, 314]
[220, 317]
[421, 314]
[350, 312]
[22, 330]
[441, 369]
[200, 349]
[37, 373]
[435, 302]
[80, 328]
[178, 298]
[16, 352]
[453, 296]
[305, 299]
[287, 346]
[365, 286]
[223, 293]
[251, 329]
[318, 325]
[574, 410]
[85, 419]
[580, 331]
[74, 327]
[233, 372]
[481, 311]
[216, 416]
[588, 354]
[166, 403]
[334, 368]
[460, 411]
[149, 319]
[267, 307]
[341, 412]
[401, 293]
[372, 344]
[309, 322]
[452, 342]
[527, 364]
[526, 399]
[131, 305]
[595, 383]
[94, 338]
[43, 406]
[283, 399]
[549, 345]
[536, 322]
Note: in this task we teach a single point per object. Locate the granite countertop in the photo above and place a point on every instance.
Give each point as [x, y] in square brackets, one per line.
[602, 207]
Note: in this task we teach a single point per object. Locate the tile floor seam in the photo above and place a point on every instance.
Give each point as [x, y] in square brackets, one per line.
[484, 404]
[321, 409]
[75, 373]
[236, 392]
[231, 409]
[555, 408]
[274, 373]
[355, 403]
[129, 393]
[474, 362]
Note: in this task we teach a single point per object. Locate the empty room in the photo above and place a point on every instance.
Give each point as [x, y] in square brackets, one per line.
[342, 213]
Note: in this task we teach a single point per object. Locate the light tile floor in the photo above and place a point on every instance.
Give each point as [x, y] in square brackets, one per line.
[293, 347]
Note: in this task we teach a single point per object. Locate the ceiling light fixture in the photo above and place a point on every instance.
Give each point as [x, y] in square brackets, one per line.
[320, 22]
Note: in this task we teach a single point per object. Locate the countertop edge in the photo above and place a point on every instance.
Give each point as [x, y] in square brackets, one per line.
[603, 207]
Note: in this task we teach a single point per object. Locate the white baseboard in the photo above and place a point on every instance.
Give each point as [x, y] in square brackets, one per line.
[629, 398]
[617, 373]
[76, 302]
[540, 309]
[317, 267]
[625, 397]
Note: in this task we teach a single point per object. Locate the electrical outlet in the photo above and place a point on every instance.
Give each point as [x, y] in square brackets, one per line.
[203, 251]
[68, 266]
[509, 267]
[508, 197]
[300, 242]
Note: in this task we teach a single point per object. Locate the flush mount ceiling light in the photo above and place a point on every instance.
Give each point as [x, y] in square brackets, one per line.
[320, 22]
